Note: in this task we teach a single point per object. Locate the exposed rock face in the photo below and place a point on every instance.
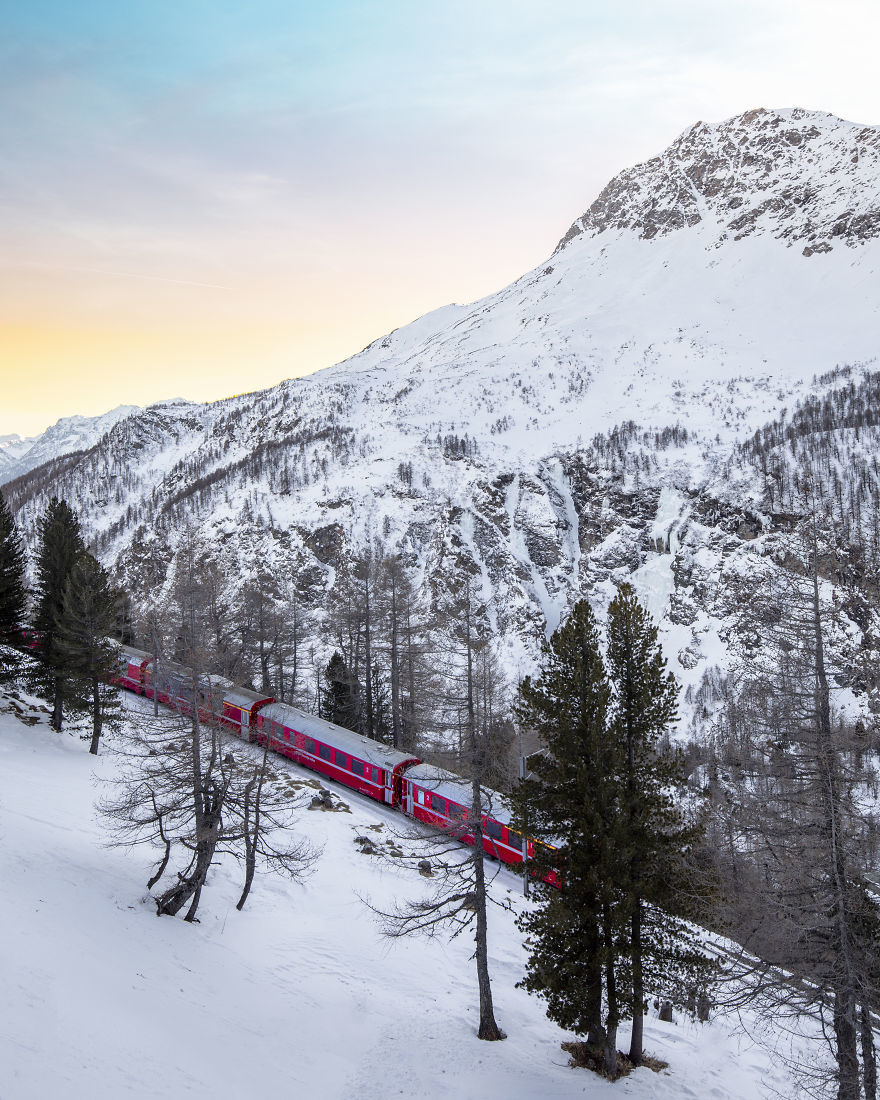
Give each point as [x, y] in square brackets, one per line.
[801, 176]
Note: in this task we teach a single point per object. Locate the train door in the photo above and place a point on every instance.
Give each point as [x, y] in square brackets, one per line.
[400, 794]
[396, 788]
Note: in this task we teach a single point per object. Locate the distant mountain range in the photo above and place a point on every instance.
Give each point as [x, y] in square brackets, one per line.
[69, 434]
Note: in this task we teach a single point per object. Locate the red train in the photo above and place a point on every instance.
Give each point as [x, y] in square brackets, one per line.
[398, 779]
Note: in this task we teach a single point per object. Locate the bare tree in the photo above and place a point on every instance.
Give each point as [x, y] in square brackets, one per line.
[792, 815]
[246, 812]
[179, 786]
[263, 808]
[461, 897]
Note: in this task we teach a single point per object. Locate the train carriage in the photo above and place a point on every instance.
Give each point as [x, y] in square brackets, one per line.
[369, 767]
[173, 683]
[443, 799]
[133, 665]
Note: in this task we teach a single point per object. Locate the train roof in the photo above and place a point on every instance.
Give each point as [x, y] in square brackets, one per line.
[373, 752]
[132, 653]
[172, 673]
[449, 785]
[243, 697]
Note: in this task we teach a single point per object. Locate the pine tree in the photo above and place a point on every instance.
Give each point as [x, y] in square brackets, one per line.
[606, 824]
[663, 954]
[340, 697]
[569, 808]
[88, 616]
[12, 589]
[60, 546]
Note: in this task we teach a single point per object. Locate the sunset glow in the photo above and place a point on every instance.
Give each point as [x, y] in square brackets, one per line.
[203, 199]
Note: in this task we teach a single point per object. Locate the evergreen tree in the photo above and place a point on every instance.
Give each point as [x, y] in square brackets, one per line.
[662, 952]
[568, 807]
[12, 589]
[88, 616]
[60, 546]
[340, 697]
[606, 824]
[382, 714]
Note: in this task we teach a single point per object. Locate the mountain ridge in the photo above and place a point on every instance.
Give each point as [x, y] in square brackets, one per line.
[691, 180]
[480, 440]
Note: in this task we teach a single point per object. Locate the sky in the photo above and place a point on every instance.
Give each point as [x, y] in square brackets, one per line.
[204, 197]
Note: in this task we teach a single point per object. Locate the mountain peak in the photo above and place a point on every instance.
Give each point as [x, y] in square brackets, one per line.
[801, 176]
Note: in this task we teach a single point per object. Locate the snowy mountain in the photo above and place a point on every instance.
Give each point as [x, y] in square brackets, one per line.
[803, 177]
[70, 433]
[583, 425]
[12, 447]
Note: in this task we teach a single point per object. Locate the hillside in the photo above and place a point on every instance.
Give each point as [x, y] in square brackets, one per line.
[590, 422]
[298, 994]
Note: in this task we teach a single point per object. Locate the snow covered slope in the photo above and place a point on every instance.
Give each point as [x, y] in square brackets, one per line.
[296, 996]
[71, 433]
[12, 447]
[704, 292]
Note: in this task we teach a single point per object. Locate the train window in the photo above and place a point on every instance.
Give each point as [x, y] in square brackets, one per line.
[341, 759]
[324, 751]
[492, 829]
[456, 812]
[514, 839]
[420, 796]
[357, 766]
[309, 745]
[438, 804]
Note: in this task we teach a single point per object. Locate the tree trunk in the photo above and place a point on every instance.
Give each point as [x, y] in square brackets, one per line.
[249, 854]
[847, 1053]
[593, 989]
[638, 985]
[368, 655]
[489, 1029]
[411, 681]
[845, 1029]
[636, 1050]
[252, 839]
[57, 718]
[190, 886]
[208, 801]
[869, 1057]
[395, 669]
[96, 717]
[612, 1019]
[294, 668]
[265, 679]
[160, 870]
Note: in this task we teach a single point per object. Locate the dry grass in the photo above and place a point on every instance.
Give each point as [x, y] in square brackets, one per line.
[656, 1064]
[583, 1056]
